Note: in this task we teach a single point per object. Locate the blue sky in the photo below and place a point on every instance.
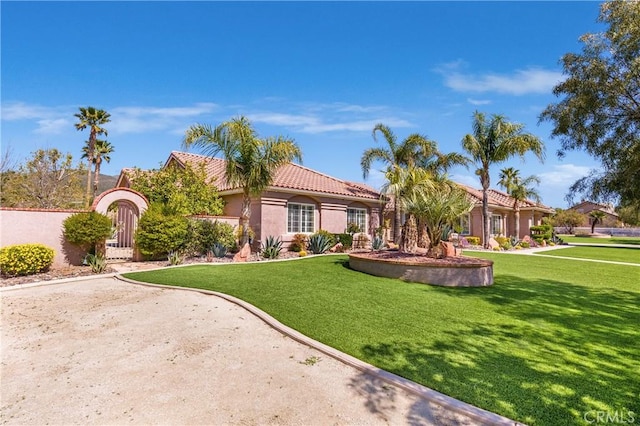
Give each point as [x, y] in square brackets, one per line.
[323, 73]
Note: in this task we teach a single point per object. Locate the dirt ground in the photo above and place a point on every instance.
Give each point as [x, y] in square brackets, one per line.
[102, 351]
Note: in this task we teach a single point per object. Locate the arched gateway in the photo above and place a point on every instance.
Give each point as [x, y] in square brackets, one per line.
[124, 206]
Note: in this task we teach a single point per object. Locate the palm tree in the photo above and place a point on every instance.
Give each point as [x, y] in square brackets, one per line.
[519, 189]
[408, 153]
[492, 142]
[404, 184]
[596, 216]
[94, 119]
[438, 206]
[101, 151]
[252, 162]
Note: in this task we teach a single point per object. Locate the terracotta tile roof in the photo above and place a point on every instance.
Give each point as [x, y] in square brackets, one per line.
[501, 199]
[292, 177]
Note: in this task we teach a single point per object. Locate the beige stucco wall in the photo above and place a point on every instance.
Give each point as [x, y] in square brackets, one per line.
[23, 226]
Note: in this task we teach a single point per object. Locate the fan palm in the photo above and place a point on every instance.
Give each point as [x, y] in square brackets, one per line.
[251, 162]
[101, 151]
[94, 119]
[415, 150]
[520, 190]
[494, 141]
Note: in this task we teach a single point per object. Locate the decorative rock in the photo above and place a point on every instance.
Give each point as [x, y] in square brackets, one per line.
[448, 249]
[243, 254]
[526, 239]
[338, 248]
[493, 243]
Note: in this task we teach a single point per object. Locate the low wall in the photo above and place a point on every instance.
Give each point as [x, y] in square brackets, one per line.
[24, 226]
[472, 273]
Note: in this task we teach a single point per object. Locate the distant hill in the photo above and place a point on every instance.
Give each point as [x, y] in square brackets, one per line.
[106, 182]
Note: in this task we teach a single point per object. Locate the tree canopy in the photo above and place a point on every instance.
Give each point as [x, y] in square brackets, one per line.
[183, 191]
[599, 109]
[48, 180]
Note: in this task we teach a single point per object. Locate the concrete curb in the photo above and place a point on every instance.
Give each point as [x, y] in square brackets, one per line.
[477, 414]
[59, 281]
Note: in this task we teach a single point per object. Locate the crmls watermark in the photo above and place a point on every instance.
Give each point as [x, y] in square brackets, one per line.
[615, 417]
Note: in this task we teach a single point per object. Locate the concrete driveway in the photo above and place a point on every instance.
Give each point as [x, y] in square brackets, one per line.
[102, 351]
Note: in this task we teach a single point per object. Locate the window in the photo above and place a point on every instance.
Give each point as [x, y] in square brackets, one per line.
[465, 224]
[300, 218]
[359, 217]
[496, 224]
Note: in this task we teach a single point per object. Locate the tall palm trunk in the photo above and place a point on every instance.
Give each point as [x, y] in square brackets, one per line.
[516, 215]
[92, 147]
[245, 216]
[397, 227]
[96, 176]
[485, 217]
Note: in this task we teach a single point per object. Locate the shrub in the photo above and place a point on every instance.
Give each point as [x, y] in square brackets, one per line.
[497, 248]
[271, 247]
[97, 262]
[345, 239]
[298, 243]
[302, 253]
[541, 232]
[203, 234]
[87, 229]
[25, 259]
[474, 241]
[524, 244]
[353, 228]
[160, 232]
[223, 234]
[319, 243]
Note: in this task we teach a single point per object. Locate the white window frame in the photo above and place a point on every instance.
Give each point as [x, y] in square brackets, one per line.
[463, 230]
[301, 222]
[492, 224]
[362, 211]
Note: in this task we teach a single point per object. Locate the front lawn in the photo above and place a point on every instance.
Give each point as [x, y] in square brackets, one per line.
[593, 240]
[551, 340]
[616, 254]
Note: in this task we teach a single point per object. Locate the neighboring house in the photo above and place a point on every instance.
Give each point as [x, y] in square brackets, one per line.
[301, 200]
[610, 220]
[502, 216]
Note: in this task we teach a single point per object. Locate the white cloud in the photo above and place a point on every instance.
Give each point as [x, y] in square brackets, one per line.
[53, 126]
[376, 179]
[478, 101]
[21, 111]
[146, 119]
[563, 175]
[520, 82]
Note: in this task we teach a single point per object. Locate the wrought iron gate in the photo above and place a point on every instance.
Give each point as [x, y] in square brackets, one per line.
[124, 217]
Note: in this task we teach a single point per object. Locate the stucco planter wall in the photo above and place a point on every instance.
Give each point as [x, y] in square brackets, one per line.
[465, 272]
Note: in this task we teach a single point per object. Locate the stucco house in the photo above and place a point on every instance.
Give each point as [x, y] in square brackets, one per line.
[301, 200]
[610, 219]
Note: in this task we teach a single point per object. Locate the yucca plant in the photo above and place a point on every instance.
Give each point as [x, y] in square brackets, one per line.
[219, 250]
[175, 258]
[319, 243]
[271, 248]
[97, 262]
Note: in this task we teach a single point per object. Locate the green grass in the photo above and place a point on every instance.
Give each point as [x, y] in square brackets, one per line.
[551, 340]
[591, 240]
[616, 254]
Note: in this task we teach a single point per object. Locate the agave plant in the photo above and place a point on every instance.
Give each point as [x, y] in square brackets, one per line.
[377, 242]
[97, 262]
[319, 243]
[271, 248]
[219, 250]
[175, 258]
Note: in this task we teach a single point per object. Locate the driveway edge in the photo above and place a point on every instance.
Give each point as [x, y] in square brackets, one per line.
[463, 408]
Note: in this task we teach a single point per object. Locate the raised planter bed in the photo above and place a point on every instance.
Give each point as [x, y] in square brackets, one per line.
[460, 271]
